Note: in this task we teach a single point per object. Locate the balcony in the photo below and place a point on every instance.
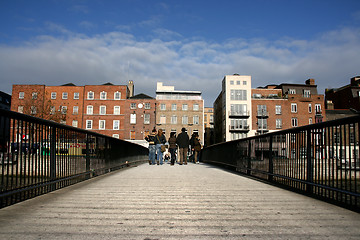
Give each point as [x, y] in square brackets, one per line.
[239, 114]
[262, 114]
[240, 128]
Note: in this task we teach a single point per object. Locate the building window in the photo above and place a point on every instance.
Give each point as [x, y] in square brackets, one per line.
[294, 122]
[90, 95]
[53, 95]
[317, 108]
[262, 124]
[294, 108]
[238, 82]
[261, 110]
[75, 123]
[211, 118]
[34, 95]
[278, 109]
[21, 109]
[21, 95]
[310, 121]
[116, 136]
[117, 95]
[162, 106]
[292, 91]
[173, 119]
[133, 118]
[102, 124]
[63, 122]
[64, 95]
[278, 123]
[231, 82]
[89, 110]
[162, 119]
[146, 118]
[244, 82]
[147, 106]
[89, 124]
[63, 109]
[236, 94]
[132, 135]
[185, 120]
[196, 107]
[116, 124]
[132, 105]
[184, 107]
[310, 108]
[75, 110]
[76, 95]
[196, 120]
[102, 110]
[52, 110]
[173, 107]
[103, 95]
[306, 93]
[116, 110]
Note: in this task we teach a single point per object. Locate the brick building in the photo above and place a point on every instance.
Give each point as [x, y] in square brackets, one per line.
[98, 108]
[140, 113]
[270, 108]
[177, 109]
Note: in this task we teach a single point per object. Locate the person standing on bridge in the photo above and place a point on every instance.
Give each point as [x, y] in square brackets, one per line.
[152, 148]
[172, 147]
[160, 141]
[183, 142]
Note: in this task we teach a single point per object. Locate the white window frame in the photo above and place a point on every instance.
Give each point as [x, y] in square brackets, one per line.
[292, 91]
[117, 95]
[102, 110]
[310, 108]
[116, 110]
[75, 110]
[89, 110]
[196, 107]
[64, 95]
[116, 124]
[163, 106]
[52, 110]
[63, 109]
[173, 119]
[294, 107]
[75, 123]
[133, 118]
[196, 120]
[310, 121]
[146, 118]
[277, 109]
[90, 95]
[53, 95]
[102, 124]
[21, 109]
[147, 106]
[173, 107]
[317, 108]
[34, 95]
[21, 95]
[162, 119]
[132, 105]
[294, 122]
[116, 136]
[185, 107]
[33, 110]
[185, 119]
[103, 95]
[76, 95]
[278, 123]
[307, 93]
[89, 124]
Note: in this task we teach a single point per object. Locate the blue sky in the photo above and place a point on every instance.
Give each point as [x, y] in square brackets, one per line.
[188, 44]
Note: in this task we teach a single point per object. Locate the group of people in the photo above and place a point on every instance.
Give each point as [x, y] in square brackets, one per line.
[181, 142]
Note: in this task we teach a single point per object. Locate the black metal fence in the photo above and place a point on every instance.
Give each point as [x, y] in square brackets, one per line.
[321, 159]
[39, 156]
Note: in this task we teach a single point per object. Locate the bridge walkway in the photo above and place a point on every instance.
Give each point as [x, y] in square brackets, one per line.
[176, 202]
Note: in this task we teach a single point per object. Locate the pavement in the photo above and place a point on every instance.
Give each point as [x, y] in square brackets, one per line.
[194, 201]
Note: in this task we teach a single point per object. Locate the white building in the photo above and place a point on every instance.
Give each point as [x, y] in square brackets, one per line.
[232, 109]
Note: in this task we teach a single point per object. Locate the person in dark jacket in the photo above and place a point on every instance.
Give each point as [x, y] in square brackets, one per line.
[159, 141]
[152, 150]
[197, 148]
[182, 141]
[172, 147]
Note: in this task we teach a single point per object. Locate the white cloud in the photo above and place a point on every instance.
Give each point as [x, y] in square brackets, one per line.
[332, 59]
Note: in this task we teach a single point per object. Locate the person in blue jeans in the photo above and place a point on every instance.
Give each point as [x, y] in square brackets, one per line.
[159, 141]
[152, 147]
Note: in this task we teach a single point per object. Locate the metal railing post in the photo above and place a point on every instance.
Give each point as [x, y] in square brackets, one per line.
[53, 156]
[271, 165]
[87, 164]
[248, 171]
[309, 164]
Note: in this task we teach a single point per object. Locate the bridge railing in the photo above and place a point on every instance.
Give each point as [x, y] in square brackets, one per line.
[38, 156]
[321, 159]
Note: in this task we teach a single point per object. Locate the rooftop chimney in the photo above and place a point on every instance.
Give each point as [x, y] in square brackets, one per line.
[355, 81]
[310, 81]
[131, 88]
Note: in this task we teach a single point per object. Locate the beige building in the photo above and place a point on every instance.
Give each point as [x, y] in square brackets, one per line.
[209, 126]
[232, 109]
[177, 109]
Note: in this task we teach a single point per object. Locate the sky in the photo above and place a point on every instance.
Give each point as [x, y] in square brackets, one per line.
[191, 45]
